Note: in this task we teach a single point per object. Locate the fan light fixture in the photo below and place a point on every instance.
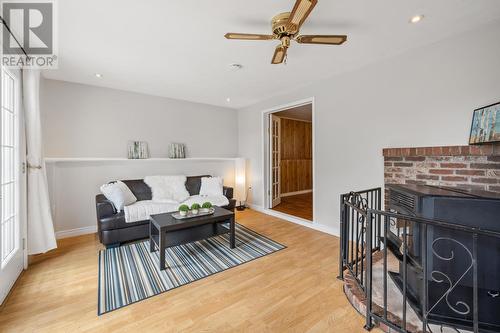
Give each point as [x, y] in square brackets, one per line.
[98, 75]
[228, 99]
[416, 18]
[285, 28]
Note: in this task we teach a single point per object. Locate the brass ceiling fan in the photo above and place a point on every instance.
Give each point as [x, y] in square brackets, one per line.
[286, 27]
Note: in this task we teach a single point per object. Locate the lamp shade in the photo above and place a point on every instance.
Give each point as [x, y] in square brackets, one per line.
[240, 179]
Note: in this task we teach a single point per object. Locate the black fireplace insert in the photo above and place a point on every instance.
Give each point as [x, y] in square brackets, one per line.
[443, 264]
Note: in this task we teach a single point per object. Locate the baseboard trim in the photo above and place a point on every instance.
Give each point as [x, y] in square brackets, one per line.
[289, 194]
[76, 232]
[297, 220]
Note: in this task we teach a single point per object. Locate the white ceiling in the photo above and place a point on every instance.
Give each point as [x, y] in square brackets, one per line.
[177, 49]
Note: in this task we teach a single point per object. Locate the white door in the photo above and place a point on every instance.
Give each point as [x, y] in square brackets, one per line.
[275, 159]
[11, 182]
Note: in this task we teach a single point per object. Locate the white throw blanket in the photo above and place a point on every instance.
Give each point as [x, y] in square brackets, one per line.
[142, 210]
[167, 189]
[216, 200]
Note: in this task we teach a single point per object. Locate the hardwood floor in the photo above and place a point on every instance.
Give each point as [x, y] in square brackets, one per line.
[300, 205]
[293, 290]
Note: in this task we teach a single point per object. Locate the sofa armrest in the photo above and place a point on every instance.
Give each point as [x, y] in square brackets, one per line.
[232, 205]
[104, 207]
[228, 192]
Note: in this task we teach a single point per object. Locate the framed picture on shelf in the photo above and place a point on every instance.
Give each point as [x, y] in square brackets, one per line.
[485, 126]
[137, 150]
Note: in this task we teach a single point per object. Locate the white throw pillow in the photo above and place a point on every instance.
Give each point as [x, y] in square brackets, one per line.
[168, 189]
[119, 194]
[211, 186]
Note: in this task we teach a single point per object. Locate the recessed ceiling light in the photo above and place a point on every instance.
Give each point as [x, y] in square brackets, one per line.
[416, 18]
[98, 75]
[228, 99]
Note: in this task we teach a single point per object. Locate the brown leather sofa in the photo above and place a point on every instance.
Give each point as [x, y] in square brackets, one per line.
[111, 225]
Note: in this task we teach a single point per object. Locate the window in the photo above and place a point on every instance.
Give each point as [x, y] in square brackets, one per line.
[9, 223]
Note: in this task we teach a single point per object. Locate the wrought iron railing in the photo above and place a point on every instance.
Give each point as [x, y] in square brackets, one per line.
[353, 207]
[431, 264]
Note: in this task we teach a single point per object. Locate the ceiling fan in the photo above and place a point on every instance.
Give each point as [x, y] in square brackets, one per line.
[286, 26]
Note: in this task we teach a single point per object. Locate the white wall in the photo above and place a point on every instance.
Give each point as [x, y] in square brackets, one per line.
[86, 121]
[421, 98]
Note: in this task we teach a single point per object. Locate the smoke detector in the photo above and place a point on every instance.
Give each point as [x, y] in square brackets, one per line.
[235, 67]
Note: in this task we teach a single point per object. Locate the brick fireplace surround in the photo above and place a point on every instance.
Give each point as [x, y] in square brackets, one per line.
[475, 167]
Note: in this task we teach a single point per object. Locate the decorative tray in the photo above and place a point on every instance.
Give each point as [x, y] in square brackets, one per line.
[190, 215]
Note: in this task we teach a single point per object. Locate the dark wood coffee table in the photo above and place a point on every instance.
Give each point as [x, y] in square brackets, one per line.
[167, 231]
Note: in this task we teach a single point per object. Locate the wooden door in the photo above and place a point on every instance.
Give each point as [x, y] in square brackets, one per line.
[275, 159]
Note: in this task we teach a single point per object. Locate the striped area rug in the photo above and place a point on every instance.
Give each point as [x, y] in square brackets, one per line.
[130, 273]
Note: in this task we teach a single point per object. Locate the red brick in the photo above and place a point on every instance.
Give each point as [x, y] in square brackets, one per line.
[486, 150]
[405, 151]
[453, 165]
[494, 158]
[420, 151]
[413, 151]
[393, 159]
[485, 166]
[414, 182]
[446, 150]
[454, 178]
[494, 188]
[444, 158]
[403, 164]
[455, 150]
[441, 171]
[471, 187]
[485, 180]
[469, 172]
[436, 151]
[387, 164]
[496, 149]
[428, 177]
[475, 150]
[392, 169]
[388, 175]
[428, 151]
[465, 150]
[415, 158]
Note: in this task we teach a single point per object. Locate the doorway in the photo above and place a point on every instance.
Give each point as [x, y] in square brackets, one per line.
[290, 161]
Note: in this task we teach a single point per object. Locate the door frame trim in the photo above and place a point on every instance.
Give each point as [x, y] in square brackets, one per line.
[265, 148]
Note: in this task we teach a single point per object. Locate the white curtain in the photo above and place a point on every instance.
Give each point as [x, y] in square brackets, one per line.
[41, 237]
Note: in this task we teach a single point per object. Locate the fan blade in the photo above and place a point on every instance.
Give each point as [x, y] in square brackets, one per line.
[232, 35]
[321, 39]
[279, 54]
[299, 14]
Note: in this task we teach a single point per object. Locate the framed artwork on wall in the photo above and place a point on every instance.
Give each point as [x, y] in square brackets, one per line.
[485, 126]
